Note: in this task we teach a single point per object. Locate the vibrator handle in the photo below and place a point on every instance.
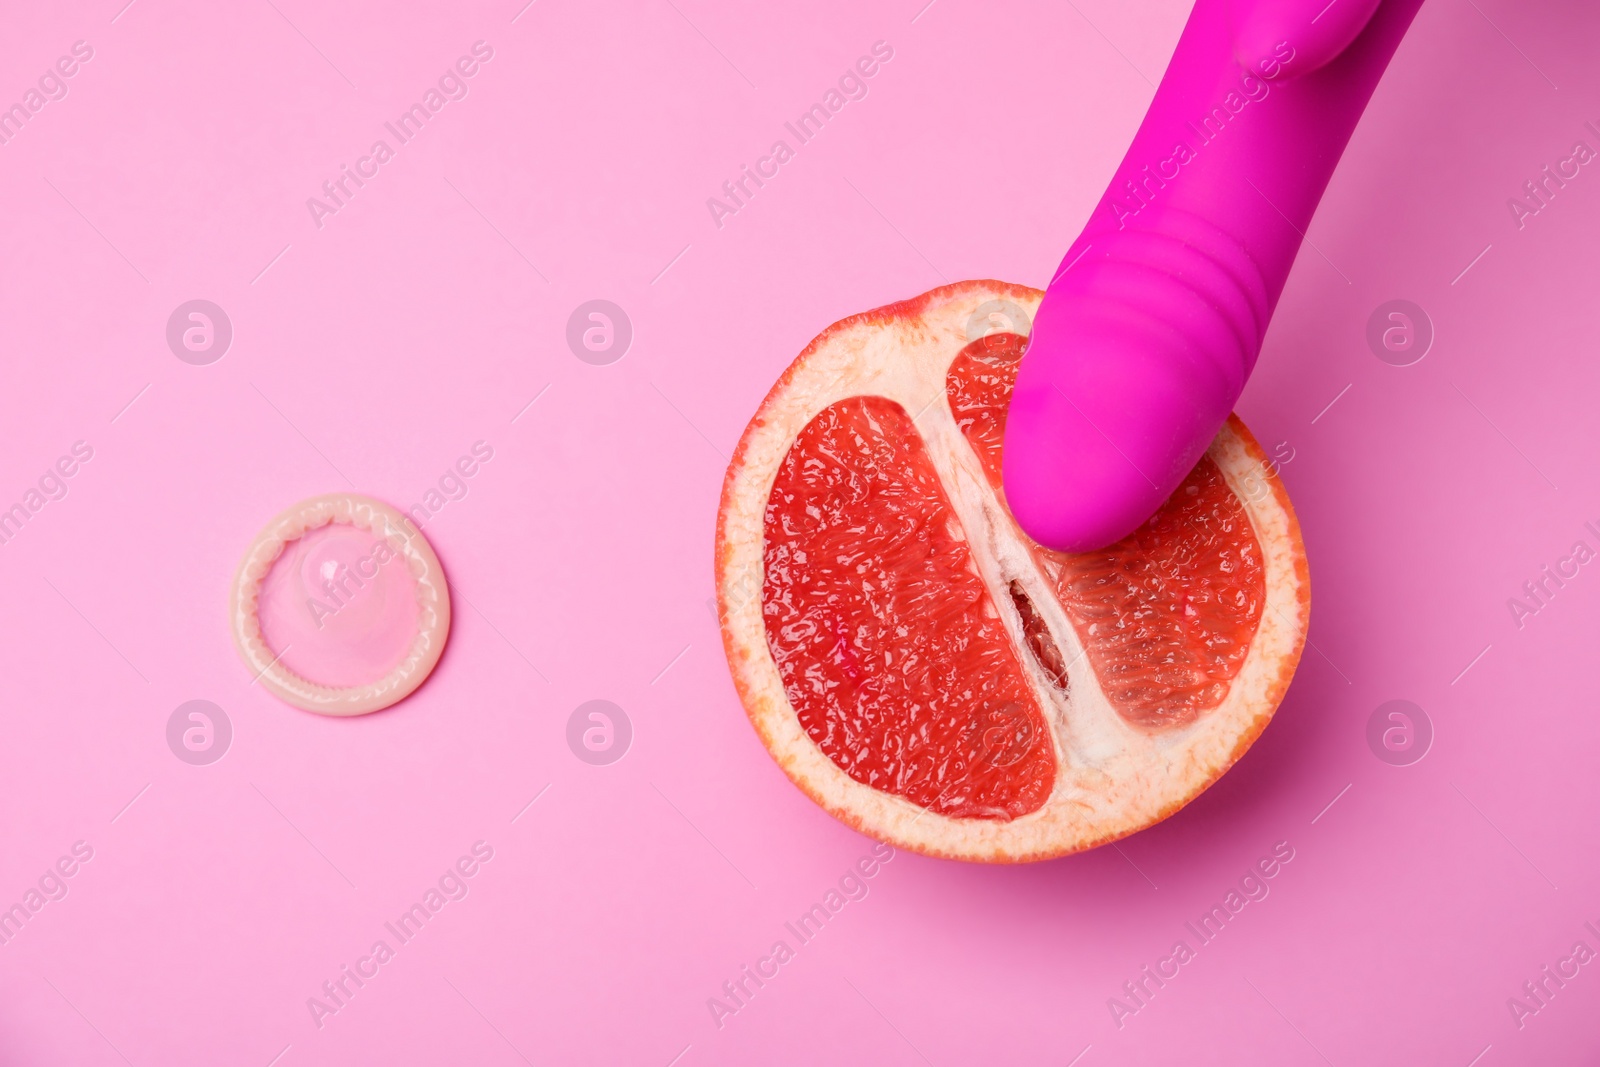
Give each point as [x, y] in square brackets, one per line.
[1153, 322]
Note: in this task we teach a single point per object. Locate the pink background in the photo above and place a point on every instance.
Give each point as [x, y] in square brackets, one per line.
[416, 321]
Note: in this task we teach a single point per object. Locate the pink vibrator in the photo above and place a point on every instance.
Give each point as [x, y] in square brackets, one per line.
[1146, 336]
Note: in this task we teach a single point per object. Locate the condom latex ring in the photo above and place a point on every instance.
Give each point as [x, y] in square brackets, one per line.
[340, 606]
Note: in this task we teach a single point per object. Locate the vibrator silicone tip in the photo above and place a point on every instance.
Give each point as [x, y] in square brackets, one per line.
[1318, 31]
[1101, 434]
[1079, 506]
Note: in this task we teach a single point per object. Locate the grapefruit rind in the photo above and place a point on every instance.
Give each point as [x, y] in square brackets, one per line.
[1113, 778]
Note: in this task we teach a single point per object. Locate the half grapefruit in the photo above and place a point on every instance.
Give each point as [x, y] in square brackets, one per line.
[930, 675]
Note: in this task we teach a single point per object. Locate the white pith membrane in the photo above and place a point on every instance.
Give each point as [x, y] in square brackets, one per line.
[1112, 777]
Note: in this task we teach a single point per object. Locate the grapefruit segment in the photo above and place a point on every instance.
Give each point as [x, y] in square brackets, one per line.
[890, 648]
[931, 676]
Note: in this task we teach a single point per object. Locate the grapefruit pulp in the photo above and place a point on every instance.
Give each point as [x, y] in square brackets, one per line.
[930, 675]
